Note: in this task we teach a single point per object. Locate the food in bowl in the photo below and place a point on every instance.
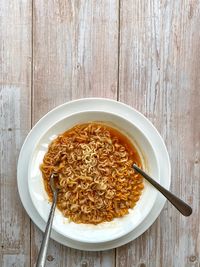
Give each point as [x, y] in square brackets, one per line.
[92, 163]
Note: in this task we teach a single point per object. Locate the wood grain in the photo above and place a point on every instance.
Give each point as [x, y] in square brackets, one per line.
[158, 75]
[75, 50]
[144, 53]
[15, 122]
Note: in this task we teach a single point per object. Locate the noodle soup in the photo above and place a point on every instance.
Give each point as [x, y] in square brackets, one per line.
[92, 163]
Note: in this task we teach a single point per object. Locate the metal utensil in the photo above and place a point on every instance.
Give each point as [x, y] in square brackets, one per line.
[44, 246]
[184, 208]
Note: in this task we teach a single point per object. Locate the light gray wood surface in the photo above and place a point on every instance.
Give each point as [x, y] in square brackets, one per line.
[143, 53]
[15, 123]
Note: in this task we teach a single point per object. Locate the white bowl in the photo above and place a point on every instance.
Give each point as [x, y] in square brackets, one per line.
[106, 231]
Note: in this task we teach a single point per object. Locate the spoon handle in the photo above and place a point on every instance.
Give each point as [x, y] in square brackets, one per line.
[44, 246]
[184, 208]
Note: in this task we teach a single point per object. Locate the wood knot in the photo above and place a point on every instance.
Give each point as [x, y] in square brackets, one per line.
[50, 258]
[9, 129]
[142, 265]
[193, 258]
[78, 66]
[84, 263]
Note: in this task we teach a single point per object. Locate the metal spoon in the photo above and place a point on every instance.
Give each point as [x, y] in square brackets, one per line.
[44, 246]
[184, 208]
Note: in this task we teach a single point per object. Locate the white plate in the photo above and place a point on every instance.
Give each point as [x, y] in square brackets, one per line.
[85, 105]
[106, 231]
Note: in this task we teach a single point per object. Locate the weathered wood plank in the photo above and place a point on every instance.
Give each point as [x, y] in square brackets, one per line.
[159, 75]
[15, 122]
[75, 51]
[75, 47]
[76, 55]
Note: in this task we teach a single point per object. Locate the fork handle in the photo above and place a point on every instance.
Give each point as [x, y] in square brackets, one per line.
[44, 246]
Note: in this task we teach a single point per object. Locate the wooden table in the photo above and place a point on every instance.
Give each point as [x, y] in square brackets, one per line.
[143, 53]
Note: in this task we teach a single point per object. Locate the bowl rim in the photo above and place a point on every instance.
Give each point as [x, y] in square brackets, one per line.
[120, 129]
